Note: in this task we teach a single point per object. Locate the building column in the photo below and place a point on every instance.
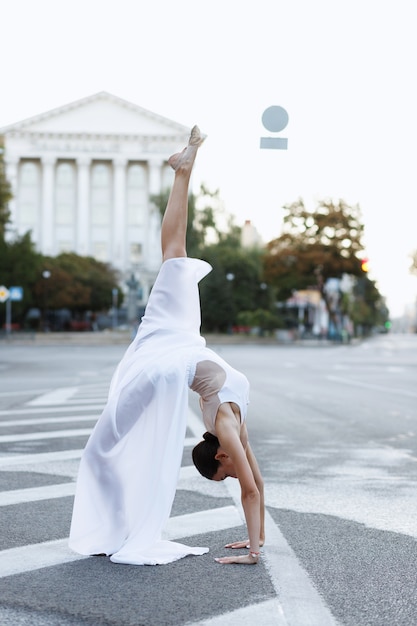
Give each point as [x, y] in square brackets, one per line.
[118, 244]
[155, 176]
[153, 220]
[11, 176]
[83, 206]
[47, 207]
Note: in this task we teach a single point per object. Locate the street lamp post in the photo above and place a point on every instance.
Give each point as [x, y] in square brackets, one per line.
[114, 294]
[230, 278]
[46, 274]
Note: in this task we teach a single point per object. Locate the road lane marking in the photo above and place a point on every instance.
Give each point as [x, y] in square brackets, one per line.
[57, 396]
[210, 520]
[20, 393]
[36, 556]
[50, 434]
[49, 420]
[358, 383]
[55, 409]
[268, 613]
[34, 494]
[43, 457]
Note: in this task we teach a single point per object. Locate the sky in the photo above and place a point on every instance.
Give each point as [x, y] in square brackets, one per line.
[343, 70]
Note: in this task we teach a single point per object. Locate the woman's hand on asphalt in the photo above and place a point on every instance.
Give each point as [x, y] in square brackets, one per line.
[241, 544]
[244, 559]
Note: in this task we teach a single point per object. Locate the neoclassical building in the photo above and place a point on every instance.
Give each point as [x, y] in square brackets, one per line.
[82, 177]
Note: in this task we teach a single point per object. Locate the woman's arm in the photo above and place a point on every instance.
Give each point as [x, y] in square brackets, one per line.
[260, 485]
[228, 434]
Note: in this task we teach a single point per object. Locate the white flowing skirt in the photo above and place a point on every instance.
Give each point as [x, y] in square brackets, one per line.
[129, 469]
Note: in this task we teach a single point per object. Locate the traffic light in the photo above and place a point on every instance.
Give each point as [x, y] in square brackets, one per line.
[365, 265]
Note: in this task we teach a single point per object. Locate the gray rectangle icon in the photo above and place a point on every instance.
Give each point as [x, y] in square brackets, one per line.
[274, 143]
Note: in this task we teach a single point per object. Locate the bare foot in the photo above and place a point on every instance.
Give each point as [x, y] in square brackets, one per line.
[196, 138]
[185, 159]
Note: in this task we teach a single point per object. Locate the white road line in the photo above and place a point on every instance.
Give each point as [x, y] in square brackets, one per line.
[30, 460]
[57, 396]
[55, 409]
[20, 393]
[206, 521]
[85, 401]
[50, 434]
[268, 613]
[36, 556]
[34, 494]
[358, 383]
[49, 420]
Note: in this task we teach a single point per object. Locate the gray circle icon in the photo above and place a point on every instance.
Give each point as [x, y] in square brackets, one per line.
[275, 118]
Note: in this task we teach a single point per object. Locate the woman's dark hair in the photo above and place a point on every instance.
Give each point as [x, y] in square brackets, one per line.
[203, 456]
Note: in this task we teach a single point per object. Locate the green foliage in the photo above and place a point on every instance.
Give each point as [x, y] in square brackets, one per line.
[234, 285]
[315, 245]
[77, 283]
[367, 309]
[262, 319]
[5, 195]
[20, 266]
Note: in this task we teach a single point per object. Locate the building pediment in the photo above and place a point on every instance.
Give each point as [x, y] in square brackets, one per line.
[101, 114]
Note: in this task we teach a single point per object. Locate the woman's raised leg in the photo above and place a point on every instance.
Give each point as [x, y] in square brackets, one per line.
[174, 223]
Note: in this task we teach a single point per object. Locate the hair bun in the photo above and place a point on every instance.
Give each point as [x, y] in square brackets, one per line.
[211, 438]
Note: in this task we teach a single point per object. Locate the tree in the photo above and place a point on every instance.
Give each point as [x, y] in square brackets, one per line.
[5, 195]
[368, 308]
[76, 282]
[234, 285]
[20, 266]
[315, 245]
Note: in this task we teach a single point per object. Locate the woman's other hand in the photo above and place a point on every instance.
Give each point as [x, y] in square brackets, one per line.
[242, 544]
[244, 559]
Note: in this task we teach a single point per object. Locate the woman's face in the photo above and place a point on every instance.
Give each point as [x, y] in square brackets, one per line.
[226, 468]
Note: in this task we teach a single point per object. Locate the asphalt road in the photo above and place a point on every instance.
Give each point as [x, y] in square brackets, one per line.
[334, 429]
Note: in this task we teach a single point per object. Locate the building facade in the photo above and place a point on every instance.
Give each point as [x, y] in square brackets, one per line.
[82, 178]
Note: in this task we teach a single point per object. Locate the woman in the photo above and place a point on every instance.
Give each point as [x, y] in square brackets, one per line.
[130, 466]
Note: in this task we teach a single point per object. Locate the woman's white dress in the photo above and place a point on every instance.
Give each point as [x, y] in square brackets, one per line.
[130, 466]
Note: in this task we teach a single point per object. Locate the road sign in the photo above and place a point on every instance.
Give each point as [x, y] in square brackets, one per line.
[274, 119]
[16, 293]
[4, 293]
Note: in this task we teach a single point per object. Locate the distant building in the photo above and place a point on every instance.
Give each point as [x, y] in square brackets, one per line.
[250, 238]
[82, 176]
